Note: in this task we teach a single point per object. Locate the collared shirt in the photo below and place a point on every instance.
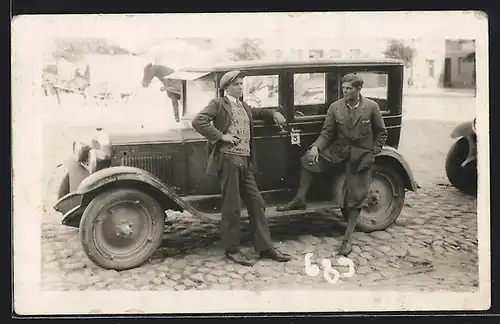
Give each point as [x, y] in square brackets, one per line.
[352, 111]
[233, 100]
[355, 106]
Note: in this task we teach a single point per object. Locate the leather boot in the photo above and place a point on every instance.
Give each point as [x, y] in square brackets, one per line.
[294, 204]
[275, 254]
[299, 201]
[240, 258]
[346, 248]
[352, 218]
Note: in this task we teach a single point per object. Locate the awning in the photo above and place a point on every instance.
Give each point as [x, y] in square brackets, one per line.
[184, 75]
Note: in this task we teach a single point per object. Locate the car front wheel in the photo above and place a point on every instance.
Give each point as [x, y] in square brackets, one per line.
[121, 228]
[385, 199]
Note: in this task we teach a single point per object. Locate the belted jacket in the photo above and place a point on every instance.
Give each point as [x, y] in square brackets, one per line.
[355, 139]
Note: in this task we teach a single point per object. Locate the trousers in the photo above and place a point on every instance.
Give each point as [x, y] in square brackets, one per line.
[238, 183]
[356, 186]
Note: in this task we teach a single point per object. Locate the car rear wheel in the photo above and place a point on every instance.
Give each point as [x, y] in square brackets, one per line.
[385, 199]
[462, 178]
[121, 228]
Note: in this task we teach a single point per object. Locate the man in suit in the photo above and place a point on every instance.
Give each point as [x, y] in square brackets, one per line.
[227, 124]
[353, 133]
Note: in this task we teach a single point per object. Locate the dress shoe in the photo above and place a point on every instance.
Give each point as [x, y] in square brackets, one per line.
[275, 254]
[239, 258]
[345, 248]
[295, 204]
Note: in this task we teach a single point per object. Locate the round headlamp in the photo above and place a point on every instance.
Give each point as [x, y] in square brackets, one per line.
[92, 161]
[80, 151]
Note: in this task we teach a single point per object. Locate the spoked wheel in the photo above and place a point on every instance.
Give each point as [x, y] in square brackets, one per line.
[121, 229]
[385, 199]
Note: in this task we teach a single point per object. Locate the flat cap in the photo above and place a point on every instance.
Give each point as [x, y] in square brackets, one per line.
[229, 77]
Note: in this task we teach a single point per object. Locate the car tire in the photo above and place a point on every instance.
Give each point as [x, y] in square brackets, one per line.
[388, 186]
[127, 238]
[462, 178]
[63, 187]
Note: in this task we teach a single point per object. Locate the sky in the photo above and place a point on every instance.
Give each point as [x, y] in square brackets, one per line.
[136, 32]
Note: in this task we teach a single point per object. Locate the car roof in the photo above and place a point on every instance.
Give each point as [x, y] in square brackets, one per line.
[261, 64]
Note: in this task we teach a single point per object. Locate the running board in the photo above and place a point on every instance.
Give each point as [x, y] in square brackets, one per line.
[327, 208]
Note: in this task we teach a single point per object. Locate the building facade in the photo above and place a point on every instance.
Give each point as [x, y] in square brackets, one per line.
[460, 64]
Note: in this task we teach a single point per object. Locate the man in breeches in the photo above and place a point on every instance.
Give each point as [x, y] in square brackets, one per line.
[353, 133]
[227, 124]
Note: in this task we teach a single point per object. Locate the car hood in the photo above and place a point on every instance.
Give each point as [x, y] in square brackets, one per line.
[145, 135]
[149, 136]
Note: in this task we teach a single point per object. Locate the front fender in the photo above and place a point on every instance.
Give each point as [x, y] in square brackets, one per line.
[126, 175]
[73, 204]
[464, 129]
[390, 156]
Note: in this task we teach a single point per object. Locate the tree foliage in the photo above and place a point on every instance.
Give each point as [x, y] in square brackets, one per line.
[471, 57]
[73, 49]
[398, 50]
[248, 50]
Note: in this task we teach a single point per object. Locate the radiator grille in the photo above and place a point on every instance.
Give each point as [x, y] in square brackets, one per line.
[159, 166]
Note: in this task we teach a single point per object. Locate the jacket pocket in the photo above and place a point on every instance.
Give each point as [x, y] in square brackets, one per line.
[365, 127]
[341, 126]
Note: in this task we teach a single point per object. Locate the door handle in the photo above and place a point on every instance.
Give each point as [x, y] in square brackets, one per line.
[282, 131]
[292, 130]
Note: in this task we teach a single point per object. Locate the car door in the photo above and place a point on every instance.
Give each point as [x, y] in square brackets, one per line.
[313, 92]
[262, 91]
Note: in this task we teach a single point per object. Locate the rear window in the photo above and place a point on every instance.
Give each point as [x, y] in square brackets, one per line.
[375, 87]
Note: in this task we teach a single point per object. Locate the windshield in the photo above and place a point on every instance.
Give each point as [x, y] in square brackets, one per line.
[199, 93]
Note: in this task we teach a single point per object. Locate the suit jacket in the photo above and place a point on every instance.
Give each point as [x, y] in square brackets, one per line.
[359, 142]
[214, 120]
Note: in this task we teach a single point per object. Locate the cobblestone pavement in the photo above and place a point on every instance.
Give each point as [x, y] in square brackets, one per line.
[432, 246]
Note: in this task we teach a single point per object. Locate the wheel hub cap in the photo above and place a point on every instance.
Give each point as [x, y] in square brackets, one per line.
[124, 229]
[373, 198]
[379, 200]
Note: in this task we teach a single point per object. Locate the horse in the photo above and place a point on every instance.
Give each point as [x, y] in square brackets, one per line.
[170, 86]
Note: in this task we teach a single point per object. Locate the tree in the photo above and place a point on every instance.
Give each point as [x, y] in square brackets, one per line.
[471, 57]
[73, 49]
[398, 50]
[248, 50]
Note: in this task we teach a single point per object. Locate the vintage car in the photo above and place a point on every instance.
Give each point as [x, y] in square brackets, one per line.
[461, 160]
[120, 185]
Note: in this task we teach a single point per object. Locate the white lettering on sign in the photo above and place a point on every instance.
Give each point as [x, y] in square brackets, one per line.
[295, 138]
[330, 274]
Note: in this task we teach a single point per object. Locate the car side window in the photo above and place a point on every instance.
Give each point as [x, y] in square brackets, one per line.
[309, 94]
[199, 92]
[375, 87]
[261, 91]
